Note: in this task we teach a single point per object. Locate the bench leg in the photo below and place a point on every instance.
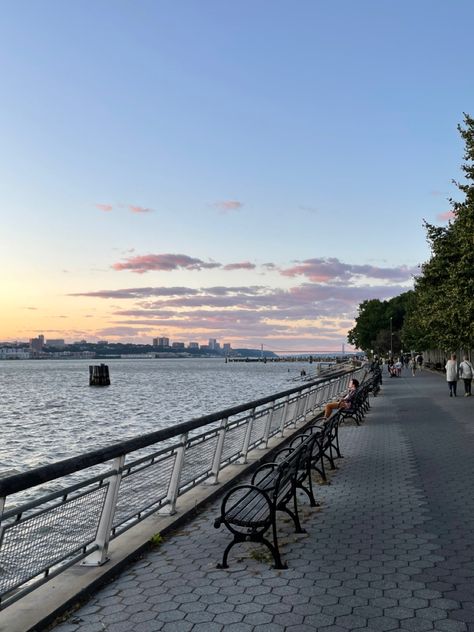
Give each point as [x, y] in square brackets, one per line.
[293, 515]
[336, 445]
[259, 539]
[236, 540]
[322, 470]
[309, 490]
[274, 548]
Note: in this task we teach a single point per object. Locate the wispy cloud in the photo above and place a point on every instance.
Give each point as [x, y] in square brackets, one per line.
[226, 206]
[322, 307]
[331, 269]
[133, 208]
[244, 265]
[163, 262]
[149, 292]
[105, 207]
[308, 209]
[139, 209]
[446, 216]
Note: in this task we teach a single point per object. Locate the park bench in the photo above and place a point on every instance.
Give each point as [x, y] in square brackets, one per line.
[375, 380]
[359, 406]
[250, 510]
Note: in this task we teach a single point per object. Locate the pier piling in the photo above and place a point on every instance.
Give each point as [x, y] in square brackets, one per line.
[99, 375]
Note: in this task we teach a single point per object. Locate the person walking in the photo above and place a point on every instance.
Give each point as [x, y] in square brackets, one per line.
[466, 371]
[413, 365]
[452, 374]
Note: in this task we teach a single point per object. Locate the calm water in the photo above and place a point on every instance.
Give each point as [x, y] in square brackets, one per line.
[49, 412]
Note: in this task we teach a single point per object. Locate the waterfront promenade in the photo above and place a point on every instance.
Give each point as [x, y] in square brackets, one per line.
[390, 547]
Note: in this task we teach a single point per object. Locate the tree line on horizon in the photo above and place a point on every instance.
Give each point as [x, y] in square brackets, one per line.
[439, 312]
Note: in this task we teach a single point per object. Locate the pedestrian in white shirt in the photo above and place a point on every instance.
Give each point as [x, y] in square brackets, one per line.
[452, 374]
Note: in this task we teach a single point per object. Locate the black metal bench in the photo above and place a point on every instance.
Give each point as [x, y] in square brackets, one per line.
[359, 406]
[249, 510]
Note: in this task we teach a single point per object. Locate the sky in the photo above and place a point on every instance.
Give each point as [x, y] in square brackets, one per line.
[249, 171]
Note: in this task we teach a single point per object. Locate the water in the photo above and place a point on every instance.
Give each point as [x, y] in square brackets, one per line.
[49, 412]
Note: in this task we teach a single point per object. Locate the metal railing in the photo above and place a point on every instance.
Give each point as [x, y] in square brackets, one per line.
[73, 519]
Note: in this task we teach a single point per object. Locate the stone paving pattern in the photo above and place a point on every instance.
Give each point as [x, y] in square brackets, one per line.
[391, 546]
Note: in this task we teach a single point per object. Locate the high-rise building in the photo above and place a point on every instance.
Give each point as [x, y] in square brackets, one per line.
[193, 345]
[161, 342]
[36, 344]
[213, 344]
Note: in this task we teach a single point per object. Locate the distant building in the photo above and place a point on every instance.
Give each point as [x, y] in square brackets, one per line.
[102, 342]
[178, 345]
[14, 353]
[193, 345]
[226, 347]
[161, 342]
[213, 344]
[36, 344]
[56, 342]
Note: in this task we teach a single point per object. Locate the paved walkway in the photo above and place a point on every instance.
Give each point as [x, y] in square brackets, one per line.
[391, 547]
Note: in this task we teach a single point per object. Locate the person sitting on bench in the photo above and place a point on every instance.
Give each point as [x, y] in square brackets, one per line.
[345, 402]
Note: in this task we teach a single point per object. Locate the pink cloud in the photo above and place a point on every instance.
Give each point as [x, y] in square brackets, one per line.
[228, 205]
[246, 313]
[446, 216]
[105, 207]
[139, 209]
[244, 265]
[331, 269]
[163, 262]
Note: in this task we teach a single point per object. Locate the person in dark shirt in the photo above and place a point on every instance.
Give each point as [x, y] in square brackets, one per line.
[345, 402]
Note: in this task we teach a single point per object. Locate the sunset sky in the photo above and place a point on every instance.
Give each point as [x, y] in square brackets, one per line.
[246, 170]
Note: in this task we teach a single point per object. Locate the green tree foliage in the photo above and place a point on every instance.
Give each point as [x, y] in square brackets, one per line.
[441, 314]
[379, 323]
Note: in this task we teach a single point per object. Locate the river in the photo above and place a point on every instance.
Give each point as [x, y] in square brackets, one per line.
[49, 412]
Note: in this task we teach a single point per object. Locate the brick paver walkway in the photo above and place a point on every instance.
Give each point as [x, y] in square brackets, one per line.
[391, 547]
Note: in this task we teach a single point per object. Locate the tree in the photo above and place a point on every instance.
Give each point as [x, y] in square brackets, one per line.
[379, 323]
[368, 324]
[442, 312]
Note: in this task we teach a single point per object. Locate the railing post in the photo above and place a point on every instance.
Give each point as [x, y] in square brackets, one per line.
[283, 416]
[99, 556]
[2, 506]
[248, 432]
[173, 489]
[216, 464]
[268, 425]
[306, 404]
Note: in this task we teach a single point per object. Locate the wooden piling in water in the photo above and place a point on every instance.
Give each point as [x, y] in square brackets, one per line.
[99, 375]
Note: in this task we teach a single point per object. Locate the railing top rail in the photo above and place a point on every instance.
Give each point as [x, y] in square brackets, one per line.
[40, 475]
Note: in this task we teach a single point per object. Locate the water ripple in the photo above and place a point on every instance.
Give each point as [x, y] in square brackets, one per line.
[49, 412]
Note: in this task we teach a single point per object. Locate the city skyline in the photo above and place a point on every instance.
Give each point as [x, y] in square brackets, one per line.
[249, 172]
